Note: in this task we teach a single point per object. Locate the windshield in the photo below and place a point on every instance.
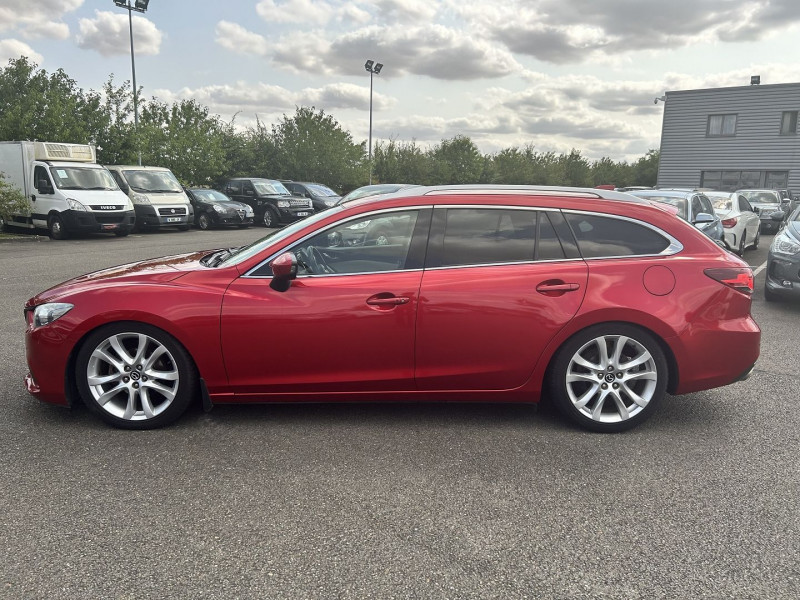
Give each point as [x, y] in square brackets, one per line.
[82, 178]
[211, 195]
[679, 203]
[241, 254]
[761, 197]
[321, 190]
[721, 201]
[270, 188]
[153, 181]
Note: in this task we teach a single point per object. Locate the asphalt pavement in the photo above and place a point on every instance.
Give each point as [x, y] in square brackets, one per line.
[393, 501]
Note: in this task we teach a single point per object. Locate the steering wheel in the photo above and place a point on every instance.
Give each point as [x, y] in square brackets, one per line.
[316, 260]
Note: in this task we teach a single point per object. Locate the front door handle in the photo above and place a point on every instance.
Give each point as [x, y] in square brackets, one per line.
[379, 300]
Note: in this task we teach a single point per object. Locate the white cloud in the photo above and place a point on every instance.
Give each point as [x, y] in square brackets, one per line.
[108, 33]
[236, 38]
[307, 12]
[11, 49]
[39, 19]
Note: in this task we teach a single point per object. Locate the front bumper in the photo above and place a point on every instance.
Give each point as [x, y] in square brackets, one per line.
[783, 275]
[235, 218]
[79, 221]
[291, 214]
[162, 215]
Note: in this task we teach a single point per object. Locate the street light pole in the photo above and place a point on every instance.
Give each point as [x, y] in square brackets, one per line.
[138, 6]
[374, 69]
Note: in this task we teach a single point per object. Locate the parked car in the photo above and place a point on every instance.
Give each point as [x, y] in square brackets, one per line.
[693, 207]
[366, 191]
[482, 293]
[740, 223]
[322, 197]
[214, 209]
[158, 198]
[271, 202]
[767, 202]
[783, 259]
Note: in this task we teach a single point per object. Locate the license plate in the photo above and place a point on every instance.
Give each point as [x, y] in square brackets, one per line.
[174, 219]
[110, 226]
[303, 214]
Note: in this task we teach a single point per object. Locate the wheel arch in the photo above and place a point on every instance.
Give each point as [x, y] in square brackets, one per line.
[673, 374]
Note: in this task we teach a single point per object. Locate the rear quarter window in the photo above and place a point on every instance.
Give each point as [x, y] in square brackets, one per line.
[600, 237]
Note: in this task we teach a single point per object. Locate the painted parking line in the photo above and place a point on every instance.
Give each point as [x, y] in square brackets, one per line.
[759, 269]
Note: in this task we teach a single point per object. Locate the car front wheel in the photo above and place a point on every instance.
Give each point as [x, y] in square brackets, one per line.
[609, 377]
[135, 376]
[204, 221]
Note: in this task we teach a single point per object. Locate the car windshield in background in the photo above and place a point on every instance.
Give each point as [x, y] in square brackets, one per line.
[679, 203]
[153, 181]
[270, 188]
[762, 197]
[82, 178]
[321, 190]
[722, 202]
[212, 195]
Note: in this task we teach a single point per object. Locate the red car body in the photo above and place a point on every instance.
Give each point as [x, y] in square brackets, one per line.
[482, 332]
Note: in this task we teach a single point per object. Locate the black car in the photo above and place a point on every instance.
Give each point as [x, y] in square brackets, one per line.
[213, 208]
[272, 203]
[322, 197]
[783, 259]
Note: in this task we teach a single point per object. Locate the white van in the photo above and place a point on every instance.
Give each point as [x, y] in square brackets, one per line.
[68, 192]
[158, 198]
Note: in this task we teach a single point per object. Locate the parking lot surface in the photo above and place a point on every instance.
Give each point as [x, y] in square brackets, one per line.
[394, 501]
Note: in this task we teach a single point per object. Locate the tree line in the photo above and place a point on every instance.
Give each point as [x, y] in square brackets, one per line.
[203, 149]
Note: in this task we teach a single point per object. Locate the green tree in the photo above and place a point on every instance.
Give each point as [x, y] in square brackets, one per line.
[399, 162]
[312, 146]
[455, 161]
[645, 170]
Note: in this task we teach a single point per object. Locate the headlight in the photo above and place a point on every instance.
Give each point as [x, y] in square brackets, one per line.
[248, 211]
[283, 204]
[140, 199]
[44, 314]
[785, 244]
[219, 209]
[75, 205]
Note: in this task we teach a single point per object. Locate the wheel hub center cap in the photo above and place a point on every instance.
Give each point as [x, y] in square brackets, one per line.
[134, 376]
[610, 378]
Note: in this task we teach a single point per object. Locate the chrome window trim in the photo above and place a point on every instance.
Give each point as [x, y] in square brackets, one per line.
[505, 264]
[674, 245]
[332, 225]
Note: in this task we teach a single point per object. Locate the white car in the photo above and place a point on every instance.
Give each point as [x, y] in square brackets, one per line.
[740, 223]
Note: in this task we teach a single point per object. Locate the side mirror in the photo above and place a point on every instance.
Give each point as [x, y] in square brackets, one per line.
[249, 192]
[703, 219]
[756, 210]
[284, 269]
[778, 215]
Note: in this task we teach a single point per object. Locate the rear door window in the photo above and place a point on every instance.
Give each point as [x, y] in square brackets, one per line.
[474, 236]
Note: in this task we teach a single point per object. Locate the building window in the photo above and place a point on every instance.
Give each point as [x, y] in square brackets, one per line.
[730, 181]
[721, 125]
[789, 122]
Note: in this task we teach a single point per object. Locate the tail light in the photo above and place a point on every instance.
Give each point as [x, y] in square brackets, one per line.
[728, 223]
[738, 278]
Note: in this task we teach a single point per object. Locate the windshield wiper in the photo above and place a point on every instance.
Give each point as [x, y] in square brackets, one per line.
[217, 257]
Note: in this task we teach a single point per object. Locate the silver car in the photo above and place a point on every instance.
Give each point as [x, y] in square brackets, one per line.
[767, 202]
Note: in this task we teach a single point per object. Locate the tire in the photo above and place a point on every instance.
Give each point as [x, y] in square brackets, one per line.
[742, 244]
[204, 222]
[130, 393]
[758, 239]
[55, 228]
[586, 363]
[271, 220]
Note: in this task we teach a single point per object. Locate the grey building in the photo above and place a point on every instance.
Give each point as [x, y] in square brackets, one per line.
[731, 138]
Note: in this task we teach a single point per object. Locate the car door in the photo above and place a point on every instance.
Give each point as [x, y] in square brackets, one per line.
[498, 285]
[346, 323]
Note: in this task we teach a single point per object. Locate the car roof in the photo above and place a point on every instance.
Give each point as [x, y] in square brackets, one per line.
[670, 193]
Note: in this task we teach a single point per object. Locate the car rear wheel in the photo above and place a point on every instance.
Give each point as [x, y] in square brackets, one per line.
[135, 376]
[609, 377]
[742, 244]
[758, 238]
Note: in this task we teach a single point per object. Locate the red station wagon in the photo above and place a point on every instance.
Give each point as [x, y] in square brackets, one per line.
[593, 298]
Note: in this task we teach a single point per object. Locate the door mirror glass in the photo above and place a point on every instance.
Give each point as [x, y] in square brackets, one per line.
[284, 269]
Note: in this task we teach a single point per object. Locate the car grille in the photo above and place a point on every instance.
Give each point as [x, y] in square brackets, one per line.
[300, 203]
[167, 212]
[106, 207]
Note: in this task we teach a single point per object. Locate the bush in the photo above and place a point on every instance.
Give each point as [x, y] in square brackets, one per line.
[12, 200]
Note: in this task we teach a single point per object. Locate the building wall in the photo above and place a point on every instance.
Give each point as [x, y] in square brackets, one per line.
[687, 150]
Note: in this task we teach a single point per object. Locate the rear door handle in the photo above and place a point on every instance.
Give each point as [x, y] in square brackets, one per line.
[544, 288]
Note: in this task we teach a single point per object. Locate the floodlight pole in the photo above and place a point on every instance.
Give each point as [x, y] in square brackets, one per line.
[139, 7]
[373, 68]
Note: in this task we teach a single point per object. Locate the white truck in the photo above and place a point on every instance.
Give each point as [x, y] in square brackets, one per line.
[158, 198]
[68, 192]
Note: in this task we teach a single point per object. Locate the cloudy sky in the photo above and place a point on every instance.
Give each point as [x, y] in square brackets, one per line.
[558, 74]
